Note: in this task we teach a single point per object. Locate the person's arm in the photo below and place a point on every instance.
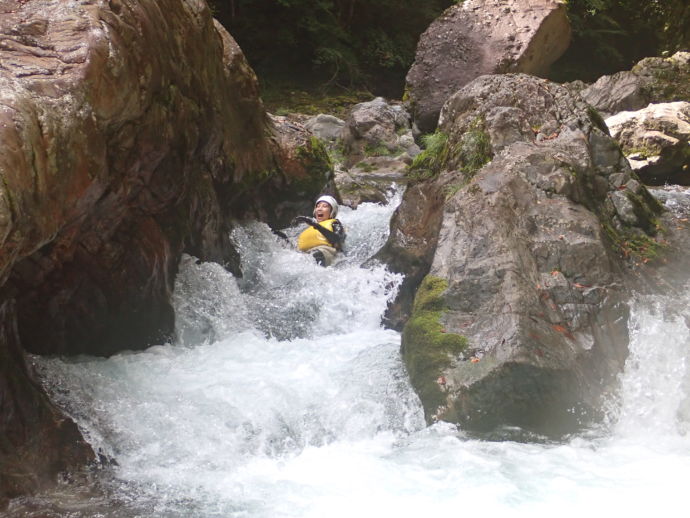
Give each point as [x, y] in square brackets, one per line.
[337, 237]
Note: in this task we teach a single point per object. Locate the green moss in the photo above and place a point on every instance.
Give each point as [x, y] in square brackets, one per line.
[318, 166]
[379, 150]
[284, 98]
[636, 245]
[427, 348]
[367, 167]
[642, 152]
[669, 85]
[646, 209]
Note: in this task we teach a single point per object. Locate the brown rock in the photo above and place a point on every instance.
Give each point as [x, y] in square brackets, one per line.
[130, 131]
[480, 37]
[37, 442]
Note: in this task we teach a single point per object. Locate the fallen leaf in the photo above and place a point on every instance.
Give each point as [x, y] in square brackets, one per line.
[563, 330]
[474, 359]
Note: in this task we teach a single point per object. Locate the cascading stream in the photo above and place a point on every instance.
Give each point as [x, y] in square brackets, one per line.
[284, 397]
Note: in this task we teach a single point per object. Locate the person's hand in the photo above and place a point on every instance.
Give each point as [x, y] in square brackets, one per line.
[304, 219]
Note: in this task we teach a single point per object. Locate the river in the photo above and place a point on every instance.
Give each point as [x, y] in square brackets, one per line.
[284, 397]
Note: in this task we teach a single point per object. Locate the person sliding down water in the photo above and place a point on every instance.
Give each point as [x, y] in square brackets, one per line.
[324, 237]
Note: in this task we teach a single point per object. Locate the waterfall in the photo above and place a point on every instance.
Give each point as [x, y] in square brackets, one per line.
[283, 396]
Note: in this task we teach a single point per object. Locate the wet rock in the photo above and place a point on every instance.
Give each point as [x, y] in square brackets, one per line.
[121, 129]
[480, 37]
[522, 314]
[371, 180]
[656, 141]
[131, 131]
[38, 442]
[410, 248]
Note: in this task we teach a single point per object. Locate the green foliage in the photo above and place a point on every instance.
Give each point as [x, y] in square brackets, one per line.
[469, 154]
[345, 42]
[428, 163]
[636, 246]
[473, 151]
[612, 35]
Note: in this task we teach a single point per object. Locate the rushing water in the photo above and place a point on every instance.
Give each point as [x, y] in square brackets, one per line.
[284, 397]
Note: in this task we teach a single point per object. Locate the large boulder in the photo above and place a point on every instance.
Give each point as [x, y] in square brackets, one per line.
[119, 128]
[372, 180]
[36, 440]
[520, 316]
[652, 80]
[376, 128]
[130, 132]
[480, 37]
[656, 140]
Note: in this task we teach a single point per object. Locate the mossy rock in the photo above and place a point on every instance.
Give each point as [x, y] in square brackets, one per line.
[668, 84]
[427, 348]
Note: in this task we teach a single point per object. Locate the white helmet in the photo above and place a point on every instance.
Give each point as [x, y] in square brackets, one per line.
[331, 201]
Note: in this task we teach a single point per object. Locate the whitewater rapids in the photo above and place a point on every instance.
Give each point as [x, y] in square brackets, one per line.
[284, 397]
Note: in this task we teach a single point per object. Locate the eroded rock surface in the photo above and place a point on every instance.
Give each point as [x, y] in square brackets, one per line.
[520, 317]
[131, 131]
[480, 37]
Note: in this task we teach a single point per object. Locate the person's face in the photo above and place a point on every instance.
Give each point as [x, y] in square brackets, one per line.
[322, 211]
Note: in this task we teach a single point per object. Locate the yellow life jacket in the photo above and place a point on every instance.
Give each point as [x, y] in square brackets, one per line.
[312, 237]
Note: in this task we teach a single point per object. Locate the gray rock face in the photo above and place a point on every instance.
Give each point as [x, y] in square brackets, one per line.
[375, 128]
[521, 319]
[371, 180]
[656, 141]
[652, 80]
[326, 127]
[480, 37]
